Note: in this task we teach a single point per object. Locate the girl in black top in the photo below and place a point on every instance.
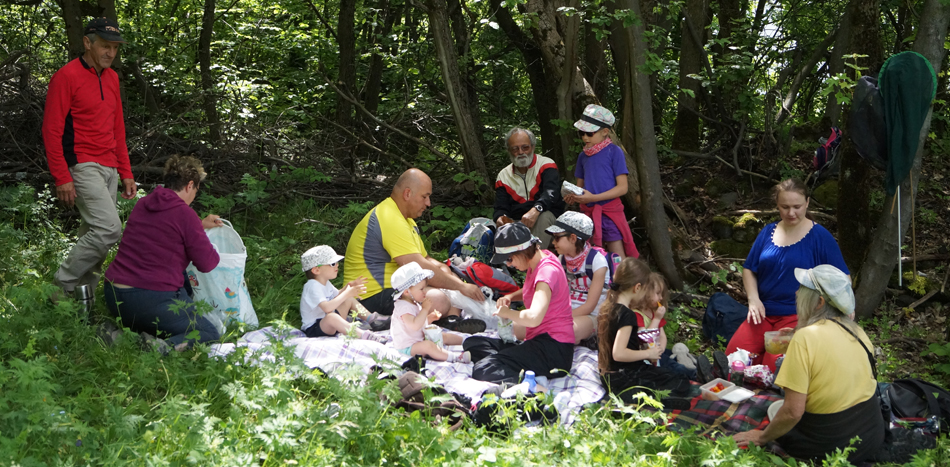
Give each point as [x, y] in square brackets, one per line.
[623, 356]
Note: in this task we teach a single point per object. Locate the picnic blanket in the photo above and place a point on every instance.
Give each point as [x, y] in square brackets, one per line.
[338, 356]
[721, 418]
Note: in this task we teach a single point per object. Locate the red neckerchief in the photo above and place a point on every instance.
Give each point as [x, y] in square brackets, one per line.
[575, 264]
[597, 147]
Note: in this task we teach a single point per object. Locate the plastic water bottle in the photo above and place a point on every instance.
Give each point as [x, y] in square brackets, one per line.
[532, 384]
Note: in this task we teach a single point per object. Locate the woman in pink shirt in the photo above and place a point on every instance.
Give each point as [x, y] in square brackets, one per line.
[549, 336]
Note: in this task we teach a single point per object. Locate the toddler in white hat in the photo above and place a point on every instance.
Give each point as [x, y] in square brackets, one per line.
[412, 312]
[321, 303]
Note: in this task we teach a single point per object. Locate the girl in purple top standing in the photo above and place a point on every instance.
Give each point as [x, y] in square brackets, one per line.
[163, 234]
[602, 172]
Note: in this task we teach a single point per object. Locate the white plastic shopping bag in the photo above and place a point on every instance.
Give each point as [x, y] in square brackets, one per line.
[223, 287]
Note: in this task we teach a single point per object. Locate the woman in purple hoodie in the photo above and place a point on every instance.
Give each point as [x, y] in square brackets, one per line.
[163, 234]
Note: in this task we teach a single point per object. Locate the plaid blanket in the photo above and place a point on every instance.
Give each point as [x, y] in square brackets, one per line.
[338, 356]
[721, 418]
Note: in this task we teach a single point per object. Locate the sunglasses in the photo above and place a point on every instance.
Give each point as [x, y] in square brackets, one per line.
[559, 236]
[523, 148]
[589, 134]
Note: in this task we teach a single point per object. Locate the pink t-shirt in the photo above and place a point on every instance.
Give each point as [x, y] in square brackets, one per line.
[402, 336]
[557, 322]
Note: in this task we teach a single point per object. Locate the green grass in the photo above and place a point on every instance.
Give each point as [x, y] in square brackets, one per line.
[68, 399]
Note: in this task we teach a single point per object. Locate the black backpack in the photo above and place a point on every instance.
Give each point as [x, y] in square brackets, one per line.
[723, 316]
[914, 398]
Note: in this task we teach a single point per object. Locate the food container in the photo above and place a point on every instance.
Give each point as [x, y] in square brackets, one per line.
[776, 342]
[710, 395]
[736, 394]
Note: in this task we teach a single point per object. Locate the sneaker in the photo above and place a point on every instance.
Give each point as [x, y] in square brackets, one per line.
[380, 324]
[372, 336]
[466, 357]
[591, 343]
[150, 342]
[108, 332]
[704, 369]
[721, 364]
[457, 324]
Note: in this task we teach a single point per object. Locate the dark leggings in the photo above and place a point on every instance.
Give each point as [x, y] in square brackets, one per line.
[150, 311]
[499, 362]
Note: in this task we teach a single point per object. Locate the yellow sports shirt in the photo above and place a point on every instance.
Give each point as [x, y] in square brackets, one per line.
[826, 363]
[382, 235]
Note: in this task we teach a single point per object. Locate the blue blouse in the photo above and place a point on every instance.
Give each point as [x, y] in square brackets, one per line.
[774, 266]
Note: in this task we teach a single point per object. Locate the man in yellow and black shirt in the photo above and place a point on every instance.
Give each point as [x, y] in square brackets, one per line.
[388, 237]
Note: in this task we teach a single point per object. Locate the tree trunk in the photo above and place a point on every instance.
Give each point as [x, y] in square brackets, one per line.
[207, 82]
[854, 216]
[463, 40]
[595, 62]
[437, 11]
[884, 247]
[686, 129]
[551, 38]
[648, 166]
[346, 77]
[621, 46]
[835, 66]
[546, 108]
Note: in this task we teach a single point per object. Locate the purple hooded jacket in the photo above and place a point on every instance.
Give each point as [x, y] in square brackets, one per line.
[162, 236]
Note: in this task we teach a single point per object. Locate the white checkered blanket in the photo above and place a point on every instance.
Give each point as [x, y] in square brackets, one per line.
[340, 355]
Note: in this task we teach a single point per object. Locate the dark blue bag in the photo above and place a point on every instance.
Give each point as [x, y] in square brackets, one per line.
[723, 316]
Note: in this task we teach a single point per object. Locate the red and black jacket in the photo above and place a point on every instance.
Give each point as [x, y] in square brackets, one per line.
[83, 121]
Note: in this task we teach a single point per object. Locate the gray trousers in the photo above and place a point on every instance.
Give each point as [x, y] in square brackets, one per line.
[544, 220]
[99, 230]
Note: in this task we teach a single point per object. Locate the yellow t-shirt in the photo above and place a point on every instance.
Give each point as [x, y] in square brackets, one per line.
[826, 363]
[382, 235]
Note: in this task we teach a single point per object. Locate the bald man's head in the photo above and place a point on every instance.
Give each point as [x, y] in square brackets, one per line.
[411, 193]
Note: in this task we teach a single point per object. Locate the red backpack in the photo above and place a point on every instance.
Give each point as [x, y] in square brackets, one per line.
[483, 275]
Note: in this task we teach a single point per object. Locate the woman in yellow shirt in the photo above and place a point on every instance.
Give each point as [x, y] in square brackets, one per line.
[827, 375]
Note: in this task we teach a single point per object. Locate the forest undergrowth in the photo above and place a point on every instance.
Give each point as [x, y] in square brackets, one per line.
[67, 398]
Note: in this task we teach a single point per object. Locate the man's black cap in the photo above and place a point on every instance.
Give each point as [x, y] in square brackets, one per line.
[106, 29]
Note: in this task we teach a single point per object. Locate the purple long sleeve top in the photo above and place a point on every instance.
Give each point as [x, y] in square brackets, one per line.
[162, 236]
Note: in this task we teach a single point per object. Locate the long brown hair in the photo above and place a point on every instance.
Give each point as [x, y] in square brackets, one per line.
[629, 273]
[656, 282]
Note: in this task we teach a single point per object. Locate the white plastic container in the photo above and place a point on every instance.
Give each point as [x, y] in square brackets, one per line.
[715, 396]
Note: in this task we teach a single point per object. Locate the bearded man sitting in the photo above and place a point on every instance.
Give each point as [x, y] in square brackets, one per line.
[529, 189]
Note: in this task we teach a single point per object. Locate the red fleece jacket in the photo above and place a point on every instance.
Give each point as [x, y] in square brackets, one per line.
[83, 121]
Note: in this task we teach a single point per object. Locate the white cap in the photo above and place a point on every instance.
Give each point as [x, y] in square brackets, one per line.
[407, 276]
[318, 256]
[831, 283]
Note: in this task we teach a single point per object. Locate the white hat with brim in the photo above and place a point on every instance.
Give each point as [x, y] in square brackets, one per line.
[318, 256]
[831, 283]
[407, 276]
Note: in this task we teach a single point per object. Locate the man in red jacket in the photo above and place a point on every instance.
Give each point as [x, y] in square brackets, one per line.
[84, 135]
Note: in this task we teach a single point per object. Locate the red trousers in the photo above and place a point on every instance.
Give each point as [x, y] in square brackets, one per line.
[751, 337]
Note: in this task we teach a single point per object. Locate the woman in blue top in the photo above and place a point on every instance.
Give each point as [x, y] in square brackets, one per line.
[769, 275]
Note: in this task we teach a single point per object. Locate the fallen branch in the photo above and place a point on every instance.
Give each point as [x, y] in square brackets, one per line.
[923, 299]
[711, 155]
[907, 259]
[774, 212]
[904, 339]
[317, 222]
